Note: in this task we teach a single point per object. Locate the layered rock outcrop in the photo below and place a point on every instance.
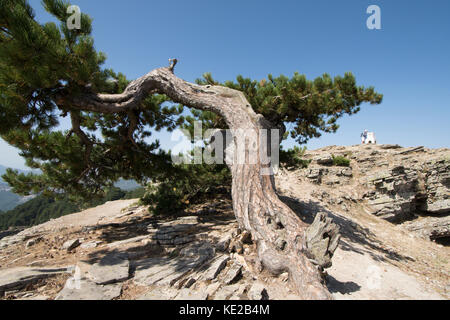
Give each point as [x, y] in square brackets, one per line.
[394, 183]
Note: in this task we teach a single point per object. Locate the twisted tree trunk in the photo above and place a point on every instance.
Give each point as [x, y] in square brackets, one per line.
[284, 242]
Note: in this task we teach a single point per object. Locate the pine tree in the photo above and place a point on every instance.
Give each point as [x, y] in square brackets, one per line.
[48, 71]
[38, 64]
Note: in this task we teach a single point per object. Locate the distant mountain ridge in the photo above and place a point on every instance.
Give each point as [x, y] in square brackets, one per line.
[41, 209]
[10, 200]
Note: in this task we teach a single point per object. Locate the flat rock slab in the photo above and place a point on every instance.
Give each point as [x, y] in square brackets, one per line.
[37, 297]
[175, 232]
[164, 271]
[216, 267]
[90, 244]
[258, 292]
[224, 243]
[188, 294]
[19, 277]
[430, 227]
[159, 294]
[226, 292]
[88, 290]
[110, 269]
[71, 244]
[233, 273]
[127, 241]
[198, 249]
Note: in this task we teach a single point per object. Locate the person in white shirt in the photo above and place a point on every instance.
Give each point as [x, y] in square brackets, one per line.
[364, 136]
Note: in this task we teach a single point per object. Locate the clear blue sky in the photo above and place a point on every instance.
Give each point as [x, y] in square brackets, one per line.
[408, 60]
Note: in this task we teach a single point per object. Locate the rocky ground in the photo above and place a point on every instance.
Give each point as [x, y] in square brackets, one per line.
[389, 204]
[392, 206]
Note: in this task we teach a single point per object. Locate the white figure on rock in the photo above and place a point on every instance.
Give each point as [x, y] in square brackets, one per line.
[364, 136]
[368, 137]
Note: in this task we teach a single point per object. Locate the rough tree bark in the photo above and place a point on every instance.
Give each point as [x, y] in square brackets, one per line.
[285, 243]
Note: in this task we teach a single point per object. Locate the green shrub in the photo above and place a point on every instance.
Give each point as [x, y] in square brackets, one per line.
[293, 158]
[190, 184]
[341, 161]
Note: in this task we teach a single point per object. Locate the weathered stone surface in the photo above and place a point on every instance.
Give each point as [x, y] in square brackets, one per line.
[430, 227]
[198, 249]
[164, 271]
[212, 288]
[437, 186]
[233, 273]
[180, 231]
[88, 290]
[411, 150]
[226, 292]
[324, 159]
[35, 297]
[71, 244]
[223, 243]
[395, 193]
[18, 277]
[110, 269]
[32, 242]
[146, 270]
[189, 282]
[397, 184]
[440, 206]
[348, 172]
[389, 146]
[127, 241]
[315, 174]
[188, 294]
[90, 244]
[258, 292]
[216, 267]
[404, 190]
[159, 293]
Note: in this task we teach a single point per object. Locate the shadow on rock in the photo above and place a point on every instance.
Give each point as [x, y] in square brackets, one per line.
[342, 287]
[349, 230]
